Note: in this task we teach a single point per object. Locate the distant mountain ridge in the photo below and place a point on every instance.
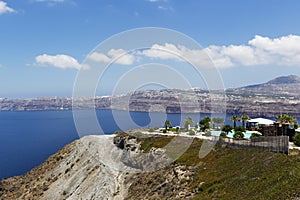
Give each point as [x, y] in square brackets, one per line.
[280, 86]
[277, 96]
[291, 79]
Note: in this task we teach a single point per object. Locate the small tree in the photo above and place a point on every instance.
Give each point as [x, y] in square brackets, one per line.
[204, 123]
[227, 128]
[238, 135]
[297, 139]
[167, 124]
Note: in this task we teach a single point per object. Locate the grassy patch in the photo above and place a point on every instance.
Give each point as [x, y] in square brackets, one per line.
[154, 141]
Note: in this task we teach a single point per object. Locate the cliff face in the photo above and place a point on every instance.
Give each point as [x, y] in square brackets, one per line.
[88, 168]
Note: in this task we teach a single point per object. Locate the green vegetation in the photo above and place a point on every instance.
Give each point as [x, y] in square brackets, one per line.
[204, 123]
[223, 134]
[244, 118]
[285, 119]
[253, 135]
[297, 139]
[151, 130]
[175, 130]
[296, 125]
[207, 133]
[224, 174]
[240, 128]
[191, 156]
[157, 142]
[234, 118]
[192, 132]
[227, 128]
[238, 135]
[168, 124]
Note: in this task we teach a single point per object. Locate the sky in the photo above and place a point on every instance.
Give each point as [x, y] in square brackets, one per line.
[44, 44]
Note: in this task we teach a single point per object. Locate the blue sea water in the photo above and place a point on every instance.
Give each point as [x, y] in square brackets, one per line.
[28, 138]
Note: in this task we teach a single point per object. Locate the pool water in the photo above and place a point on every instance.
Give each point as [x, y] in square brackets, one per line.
[230, 134]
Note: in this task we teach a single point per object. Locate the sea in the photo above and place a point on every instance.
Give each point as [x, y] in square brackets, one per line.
[28, 138]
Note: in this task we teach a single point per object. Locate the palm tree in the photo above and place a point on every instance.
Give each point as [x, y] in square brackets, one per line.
[285, 120]
[281, 119]
[234, 118]
[244, 118]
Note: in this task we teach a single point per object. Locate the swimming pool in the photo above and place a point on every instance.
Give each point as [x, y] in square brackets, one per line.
[230, 134]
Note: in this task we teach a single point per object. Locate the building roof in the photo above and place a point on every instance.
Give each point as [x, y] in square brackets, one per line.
[262, 121]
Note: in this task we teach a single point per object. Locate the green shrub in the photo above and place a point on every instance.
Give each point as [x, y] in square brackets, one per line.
[240, 129]
[238, 135]
[173, 129]
[223, 134]
[227, 128]
[207, 133]
[164, 131]
[255, 135]
[151, 130]
[297, 139]
[192, 132]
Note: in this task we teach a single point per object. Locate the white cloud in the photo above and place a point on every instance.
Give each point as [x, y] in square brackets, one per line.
[50, 1]
[260, 50]
[178, 53]
[4, 8]
[59, 61]
[118, 56]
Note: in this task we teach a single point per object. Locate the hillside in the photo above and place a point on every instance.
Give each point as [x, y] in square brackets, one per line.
[85, 169]
[284, 86]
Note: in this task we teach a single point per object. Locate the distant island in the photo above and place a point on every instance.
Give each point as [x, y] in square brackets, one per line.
[280, 95]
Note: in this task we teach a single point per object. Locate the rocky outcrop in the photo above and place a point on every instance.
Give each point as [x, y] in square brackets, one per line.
[133, 157]
[172, 182]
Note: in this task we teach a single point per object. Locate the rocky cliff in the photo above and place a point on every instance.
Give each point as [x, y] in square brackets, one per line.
[93, 167]
[88, 168]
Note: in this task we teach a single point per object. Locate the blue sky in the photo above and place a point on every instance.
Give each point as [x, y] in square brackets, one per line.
[44, 42]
